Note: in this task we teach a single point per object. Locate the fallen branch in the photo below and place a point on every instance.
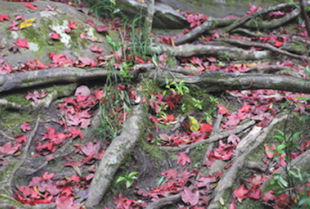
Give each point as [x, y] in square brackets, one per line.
[210, 139]
[247, 145]
[114, 156]
[53, 75]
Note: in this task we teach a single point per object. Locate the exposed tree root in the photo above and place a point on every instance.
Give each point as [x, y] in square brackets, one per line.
[264, 46]
[53, 75]
[114, 156]
[218, 81]
[188, 50]
[247, 145]
[164, 201]
[208, 25]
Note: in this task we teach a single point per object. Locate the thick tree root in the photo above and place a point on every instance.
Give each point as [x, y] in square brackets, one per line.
[245, 147]
[188, 50]
[264, 46]
[120, 147]
[219, 81]
[53, 75]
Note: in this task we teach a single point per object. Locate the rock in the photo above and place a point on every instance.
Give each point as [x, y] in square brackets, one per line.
[49, 17]
[165, 16]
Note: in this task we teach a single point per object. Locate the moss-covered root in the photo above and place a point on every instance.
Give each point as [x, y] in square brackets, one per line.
[120, 147]
[244, 148]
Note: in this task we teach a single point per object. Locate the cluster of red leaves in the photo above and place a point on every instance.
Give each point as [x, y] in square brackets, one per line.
[158, 103]
[194, 19]
[76, 111]
[92, 152]
[224, 151]
[44, 190]
[35, 96]
[51, 140]
[10, 148]
[197, 196]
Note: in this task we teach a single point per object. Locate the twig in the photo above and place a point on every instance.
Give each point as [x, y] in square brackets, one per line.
[164, 201]
[6, 136]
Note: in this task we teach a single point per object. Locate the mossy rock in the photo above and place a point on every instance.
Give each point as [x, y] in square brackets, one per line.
[38, 34]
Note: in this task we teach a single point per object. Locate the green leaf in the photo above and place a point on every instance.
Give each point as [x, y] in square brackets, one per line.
[132, 174]
[295, 136]
[128, 184]
[120, 179]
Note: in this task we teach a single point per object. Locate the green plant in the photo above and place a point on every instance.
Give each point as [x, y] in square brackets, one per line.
[115, 45]
[197, 103]
[128, 178]
[178, 87]
[125, 70]
[139, 44]
[104, 8]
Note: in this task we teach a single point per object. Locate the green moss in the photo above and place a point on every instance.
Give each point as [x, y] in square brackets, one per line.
[12, 120]
[18, 98]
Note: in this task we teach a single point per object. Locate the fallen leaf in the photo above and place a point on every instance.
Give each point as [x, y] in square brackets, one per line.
[27, 23]
[22, 43]
[190, 197]
[31, 6]
[241, 192]
[9, 149]
[4, 17]
[25, 126]
[183, 159]
[55, 36]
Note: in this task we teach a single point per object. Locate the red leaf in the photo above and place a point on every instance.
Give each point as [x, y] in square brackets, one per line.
[9, 149]
[268, 150]
[21, 139]
[55, 36]
[31, 6]
[4, 17]
[101, 29]
[96, 49]
[35, 96]
[75, 132]
[205, 127]
[170, 173]
[64, 202]
[232, 205]
[241, 192]
[268, 196]
[222, 109]
[254, 193]
[190, 197]
[72, 24]
[22, 43]
[183, 159]
[139, 60]
[25, 126]
[90, 149]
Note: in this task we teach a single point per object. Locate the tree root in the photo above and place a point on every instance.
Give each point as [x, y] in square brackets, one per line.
[218, 81]
[114, 155]
[210, 139]
[164, 201]
[53, 75]
[265, 46]
[208, 25]
[247, 145]
[24, 156]
[188, 50]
